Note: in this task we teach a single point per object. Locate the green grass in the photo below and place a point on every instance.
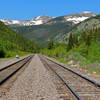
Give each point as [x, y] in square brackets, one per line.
[94, 70]
[62, 60]
[12, 54]
[57, 51]
[86, 55]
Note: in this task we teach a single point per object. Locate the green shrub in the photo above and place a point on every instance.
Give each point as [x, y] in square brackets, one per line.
[2, 53]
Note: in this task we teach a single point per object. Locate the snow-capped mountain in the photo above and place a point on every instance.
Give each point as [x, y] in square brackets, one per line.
[77, 18]
[74, 18]
[35, 21]
[53, 29]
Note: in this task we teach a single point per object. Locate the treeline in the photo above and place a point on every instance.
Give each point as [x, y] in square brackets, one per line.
[88, 37]
[54, 49]
[11, 41]
[85, 46]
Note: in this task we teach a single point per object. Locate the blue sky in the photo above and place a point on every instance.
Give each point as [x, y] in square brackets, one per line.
[27, 9]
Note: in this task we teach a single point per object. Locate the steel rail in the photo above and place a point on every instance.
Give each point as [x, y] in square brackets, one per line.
[6, 78]
[71, 90]
[82, 76]
[12, 64]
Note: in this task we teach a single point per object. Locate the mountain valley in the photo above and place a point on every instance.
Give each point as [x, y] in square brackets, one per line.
[51, 28]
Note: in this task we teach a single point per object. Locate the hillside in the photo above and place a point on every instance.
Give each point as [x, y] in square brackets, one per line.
[11, 41]
[41, 34]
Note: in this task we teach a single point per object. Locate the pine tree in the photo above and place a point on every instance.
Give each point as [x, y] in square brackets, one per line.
[50, 45]
[70, 42]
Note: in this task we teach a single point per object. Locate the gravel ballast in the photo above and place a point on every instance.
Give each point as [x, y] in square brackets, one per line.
[35, 83]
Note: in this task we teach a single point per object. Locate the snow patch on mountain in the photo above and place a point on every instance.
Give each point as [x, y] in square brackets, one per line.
[37, 18]
[22, 23]
[38, 22]
[35, 21]
[86, 12]
[15, 22]
[76, 20]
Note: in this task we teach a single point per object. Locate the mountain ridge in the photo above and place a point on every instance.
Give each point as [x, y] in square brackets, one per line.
[34, 21]
[75, 18]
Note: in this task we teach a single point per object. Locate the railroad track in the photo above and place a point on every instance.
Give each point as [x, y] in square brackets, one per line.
[8, 71]
[80, 86]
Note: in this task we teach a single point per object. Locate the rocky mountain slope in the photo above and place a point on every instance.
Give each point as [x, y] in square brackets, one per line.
[89, 24]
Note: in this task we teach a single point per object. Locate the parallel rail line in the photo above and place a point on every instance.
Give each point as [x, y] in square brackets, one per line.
[8, 71]
[77, 97]
[80, 92]
[86, 78]
[5, 67]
